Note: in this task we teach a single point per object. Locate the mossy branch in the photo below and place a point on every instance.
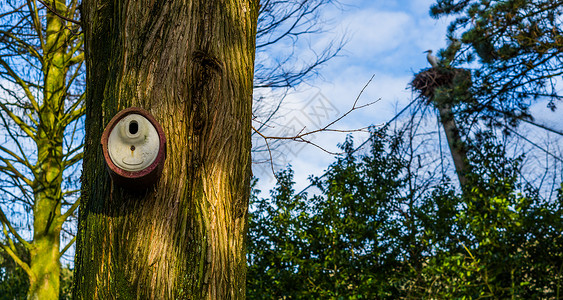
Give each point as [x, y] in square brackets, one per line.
[17, 158]
[70, 211]
[78, 59]
[70, 192]
[65, 249]
[16, 141]
[77, 109]
[19, 81]
[23, 44]
[18, 260]
[21, 124]
[10, 170]
[73, 59]
[6, 223]
[74, 159]
[52, 10]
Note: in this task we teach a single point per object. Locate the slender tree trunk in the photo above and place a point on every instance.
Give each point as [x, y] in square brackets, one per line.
[44, 253]
[457, 148]
[189, 63]
[44, 249]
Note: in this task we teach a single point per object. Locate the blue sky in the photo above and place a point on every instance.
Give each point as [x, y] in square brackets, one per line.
[386, 39]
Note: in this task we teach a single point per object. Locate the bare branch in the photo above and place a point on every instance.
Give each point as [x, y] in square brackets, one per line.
[23, 44]
[269, 153]
[9, 167]
[75, 111]
[14, 139]
[12, 11]
[34, 13]
[17, 158]
[534, 144]
[301, 135]
[26, 197]
[74, 159]
[70, 193]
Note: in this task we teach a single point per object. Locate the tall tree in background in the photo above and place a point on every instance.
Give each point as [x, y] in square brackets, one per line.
[40, 65]
[191, 65]
[520, 46]
[444, 88]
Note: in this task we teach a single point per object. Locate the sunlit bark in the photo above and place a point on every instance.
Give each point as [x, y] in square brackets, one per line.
[190, 64]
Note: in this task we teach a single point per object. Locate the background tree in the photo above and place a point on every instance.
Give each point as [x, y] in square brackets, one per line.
[437, 241]
[519, 44]
[184, 237]
[40, 65]
[278, 245]
[14, 281]
[497, 251]
[339, 244]
[519, 51]
[444, 88]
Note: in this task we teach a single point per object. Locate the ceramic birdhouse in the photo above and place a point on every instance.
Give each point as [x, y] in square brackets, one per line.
[134, 148]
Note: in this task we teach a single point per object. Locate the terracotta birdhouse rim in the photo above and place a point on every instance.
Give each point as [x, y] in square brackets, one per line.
[162, 143]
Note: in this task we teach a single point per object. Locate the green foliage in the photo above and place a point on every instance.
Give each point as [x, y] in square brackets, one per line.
[277, 242]
[510, 239]
[13, 279]
[373, 232]
[352, 218]
[331, 246]
[65, 292]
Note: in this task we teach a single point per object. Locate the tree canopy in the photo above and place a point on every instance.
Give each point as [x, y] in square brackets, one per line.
[519, 44]
[374, 231]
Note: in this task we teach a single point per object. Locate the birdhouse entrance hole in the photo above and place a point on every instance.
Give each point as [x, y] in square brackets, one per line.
[133, 127]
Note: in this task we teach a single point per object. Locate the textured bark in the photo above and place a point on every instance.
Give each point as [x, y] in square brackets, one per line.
[457, 148]
[190, 64]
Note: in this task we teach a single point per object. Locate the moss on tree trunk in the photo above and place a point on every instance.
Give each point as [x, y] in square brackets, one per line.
[189, 63]
[47, 222]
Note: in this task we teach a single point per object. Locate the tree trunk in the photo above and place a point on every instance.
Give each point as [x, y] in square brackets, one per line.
[190, 64]
[47, 223]
[457, 148]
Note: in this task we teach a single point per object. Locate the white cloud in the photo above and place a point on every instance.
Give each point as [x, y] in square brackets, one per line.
[374, 33]
[386, 39]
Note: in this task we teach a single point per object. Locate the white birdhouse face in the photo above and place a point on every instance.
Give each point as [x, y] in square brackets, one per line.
[133, 143]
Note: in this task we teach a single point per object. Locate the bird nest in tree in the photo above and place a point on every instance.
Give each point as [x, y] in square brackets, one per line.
[428, 80]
